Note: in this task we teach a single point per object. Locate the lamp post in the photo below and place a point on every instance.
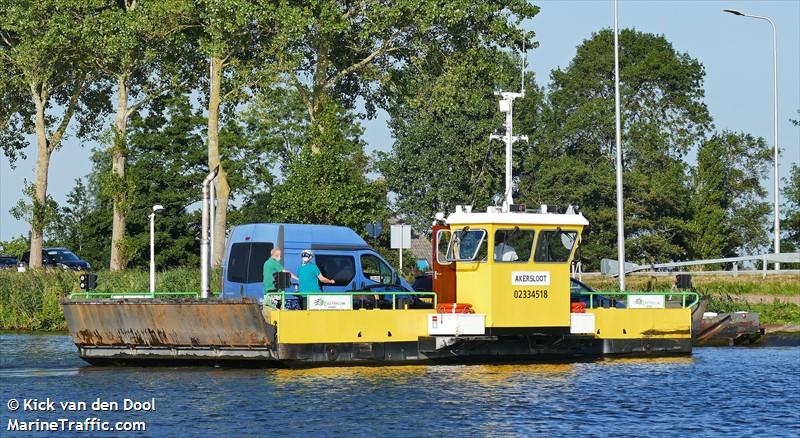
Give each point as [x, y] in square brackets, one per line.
[775, 124]
[620, 217]
[156, 208]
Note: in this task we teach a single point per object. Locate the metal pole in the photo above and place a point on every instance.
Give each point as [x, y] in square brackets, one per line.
[152, 253]
[620, 224]
[401, 249]
[776, 182]
[204, 235]
[212, 217]
[509, 143]
[775, 133]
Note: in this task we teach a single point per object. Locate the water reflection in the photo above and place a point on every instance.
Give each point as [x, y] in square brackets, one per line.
[615, 396]
[37, 372]
[649, 361]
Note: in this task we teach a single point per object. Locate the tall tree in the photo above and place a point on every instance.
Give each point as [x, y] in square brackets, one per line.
[345, 50]
[791, 196]
[329, 186]
[70, 229]
[165, 160]
[43, 44]
[442, 155]
[663, 117]
[136, 46]
[728, 210]
[236, 36]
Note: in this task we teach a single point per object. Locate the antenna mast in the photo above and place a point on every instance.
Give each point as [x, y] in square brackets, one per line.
[507, 107]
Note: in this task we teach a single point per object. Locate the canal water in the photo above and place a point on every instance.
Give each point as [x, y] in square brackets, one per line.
[716, 391]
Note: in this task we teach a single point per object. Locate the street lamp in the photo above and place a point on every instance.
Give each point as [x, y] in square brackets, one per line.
[618, 139]
[775, 121]
[156, 209]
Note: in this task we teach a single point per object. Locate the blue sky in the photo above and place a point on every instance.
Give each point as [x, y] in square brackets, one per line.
[736, 53]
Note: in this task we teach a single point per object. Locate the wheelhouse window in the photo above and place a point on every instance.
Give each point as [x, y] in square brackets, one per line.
[467, 245]
[339, 268]
[513, 245]
[555, 246]
[443, 238]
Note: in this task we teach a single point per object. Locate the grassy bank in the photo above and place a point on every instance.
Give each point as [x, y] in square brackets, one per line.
[29, 300]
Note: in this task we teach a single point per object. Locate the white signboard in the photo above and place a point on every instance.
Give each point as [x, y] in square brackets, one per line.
[530, 278]
[330, 302]
[581, 323]
[645, 301]
[401, 236]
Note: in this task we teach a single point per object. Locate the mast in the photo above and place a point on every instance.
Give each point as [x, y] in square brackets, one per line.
[506, 105]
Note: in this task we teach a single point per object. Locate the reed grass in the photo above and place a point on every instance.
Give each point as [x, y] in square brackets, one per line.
[30, 300]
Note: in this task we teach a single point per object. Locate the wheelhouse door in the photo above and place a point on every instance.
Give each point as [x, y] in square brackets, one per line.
[444, 272]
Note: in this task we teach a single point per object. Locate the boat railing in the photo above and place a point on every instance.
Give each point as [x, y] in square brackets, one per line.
[668, 295]
[120, 295]
[425, 297]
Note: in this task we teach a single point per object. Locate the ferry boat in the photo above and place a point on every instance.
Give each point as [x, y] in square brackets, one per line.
[501, 294]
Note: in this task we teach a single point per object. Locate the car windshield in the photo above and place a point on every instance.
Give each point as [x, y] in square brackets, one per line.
[62, 255]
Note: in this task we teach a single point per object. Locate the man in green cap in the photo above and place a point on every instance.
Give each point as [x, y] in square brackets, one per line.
[271, 266]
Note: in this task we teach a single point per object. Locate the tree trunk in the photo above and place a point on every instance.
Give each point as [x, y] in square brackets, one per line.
[118, 157]
[42, 168]
[223, 189]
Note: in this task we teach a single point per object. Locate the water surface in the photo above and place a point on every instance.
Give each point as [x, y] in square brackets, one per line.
[716, 391]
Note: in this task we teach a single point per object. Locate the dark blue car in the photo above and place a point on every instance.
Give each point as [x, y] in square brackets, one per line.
[59, 258]
[577, 288]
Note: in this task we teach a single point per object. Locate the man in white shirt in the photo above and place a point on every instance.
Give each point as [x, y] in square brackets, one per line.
[504, 252]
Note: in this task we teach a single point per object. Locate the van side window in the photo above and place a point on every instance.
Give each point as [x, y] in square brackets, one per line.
[246, 261]
[259, 253]
[375, 269]
[339, 268]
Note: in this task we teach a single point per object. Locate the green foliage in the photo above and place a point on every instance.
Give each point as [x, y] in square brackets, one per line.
[45, 48]
[382, 38]
[663, 118]
[727, 200]
[70, 229]
[14, 247]
[329, 186]
[39, 215]
[30, 300]
[776, 312]
[166, 159]
[442, 154]
[791, 194]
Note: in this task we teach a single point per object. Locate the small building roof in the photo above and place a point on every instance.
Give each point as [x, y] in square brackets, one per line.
[513, 218]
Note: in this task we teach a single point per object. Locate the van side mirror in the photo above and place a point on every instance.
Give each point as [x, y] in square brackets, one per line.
[395, 278]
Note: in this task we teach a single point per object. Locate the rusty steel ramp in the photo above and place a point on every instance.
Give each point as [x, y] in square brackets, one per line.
[161, 331]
